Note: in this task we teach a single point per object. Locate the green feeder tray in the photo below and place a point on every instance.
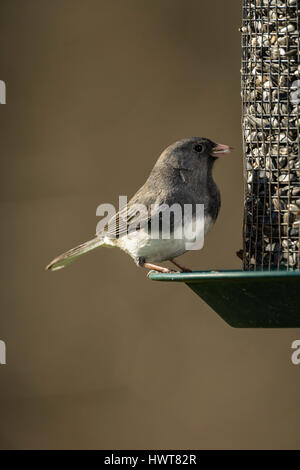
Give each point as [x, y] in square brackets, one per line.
[246, 299]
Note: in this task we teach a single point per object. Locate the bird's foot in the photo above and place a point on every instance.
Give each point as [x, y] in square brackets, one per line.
[183, 269]
[153, 271]
[158, 269]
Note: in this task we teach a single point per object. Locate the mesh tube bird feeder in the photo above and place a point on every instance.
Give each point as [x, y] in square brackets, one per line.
[271, 104]
[266, 293]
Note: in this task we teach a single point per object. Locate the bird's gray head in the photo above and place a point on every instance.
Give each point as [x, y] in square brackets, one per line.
[193, 153]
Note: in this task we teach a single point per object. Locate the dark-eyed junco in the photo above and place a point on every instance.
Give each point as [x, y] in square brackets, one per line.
[182, 176]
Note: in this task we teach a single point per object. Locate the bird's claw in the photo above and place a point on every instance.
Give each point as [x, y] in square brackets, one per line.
[152, 271]
[166, 271]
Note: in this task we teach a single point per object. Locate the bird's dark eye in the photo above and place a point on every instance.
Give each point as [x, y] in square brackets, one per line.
[198, 148]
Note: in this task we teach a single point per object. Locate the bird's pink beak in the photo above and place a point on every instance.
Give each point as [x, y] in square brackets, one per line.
[220, 149]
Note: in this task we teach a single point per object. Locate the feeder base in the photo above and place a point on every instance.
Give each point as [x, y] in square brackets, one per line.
[261, 299]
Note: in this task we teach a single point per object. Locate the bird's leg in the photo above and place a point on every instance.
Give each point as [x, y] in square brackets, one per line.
[183, 269]
[153, 267]
[157, 268]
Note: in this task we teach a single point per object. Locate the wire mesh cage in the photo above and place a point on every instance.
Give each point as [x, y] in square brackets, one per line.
[271, 105]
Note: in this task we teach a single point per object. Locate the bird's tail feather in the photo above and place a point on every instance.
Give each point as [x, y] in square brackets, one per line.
[69, 256]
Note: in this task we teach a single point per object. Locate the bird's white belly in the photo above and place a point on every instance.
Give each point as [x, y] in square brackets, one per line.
[151, 250]
[140, 244]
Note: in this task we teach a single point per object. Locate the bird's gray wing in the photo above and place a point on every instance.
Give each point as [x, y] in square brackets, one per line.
[126, 220]
[140, 212]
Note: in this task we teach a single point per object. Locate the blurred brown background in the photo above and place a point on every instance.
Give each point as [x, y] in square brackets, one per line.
[99, 356]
